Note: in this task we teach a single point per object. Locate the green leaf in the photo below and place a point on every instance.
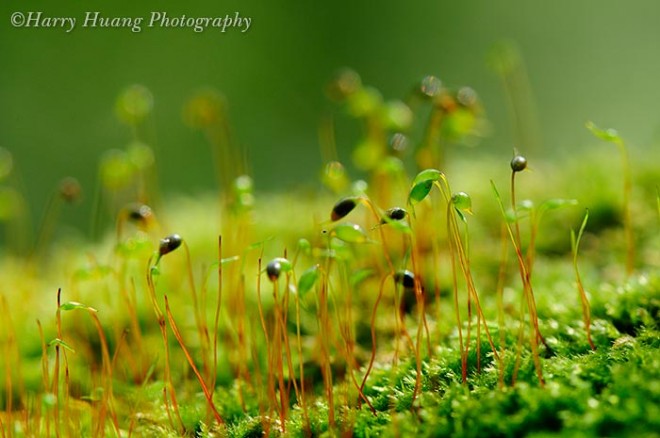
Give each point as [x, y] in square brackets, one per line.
[61, 343]
[399, 225]
[308, 280]
[359, 276]
[461, 216]
[427, 175]
[422, 185]
[257, 245]
[225, 261]
[553, 204]
[419, 192]
[72, 305]
[575, 241]
[610, 135]
[350, 233]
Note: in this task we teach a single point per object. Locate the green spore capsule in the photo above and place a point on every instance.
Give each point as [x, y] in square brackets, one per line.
[342, 208]
[405, 278]
[462, 201]
[518, 163]
[169, 244]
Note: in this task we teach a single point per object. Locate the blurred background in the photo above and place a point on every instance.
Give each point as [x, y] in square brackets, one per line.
[589, 60]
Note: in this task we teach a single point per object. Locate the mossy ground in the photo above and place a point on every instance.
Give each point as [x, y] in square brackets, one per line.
[613, 390]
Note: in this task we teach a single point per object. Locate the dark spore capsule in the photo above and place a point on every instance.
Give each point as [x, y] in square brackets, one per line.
[518, 163]
[169, 244]
[342, 208]
[396, 213]
[273, 270]
[405, 279]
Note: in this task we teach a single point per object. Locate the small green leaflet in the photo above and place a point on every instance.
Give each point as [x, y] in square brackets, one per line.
[308, 280]
[61, 343]
[72, 305]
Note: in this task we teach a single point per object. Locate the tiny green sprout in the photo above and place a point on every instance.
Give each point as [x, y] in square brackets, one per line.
[405, 278]
[342, 208]
[70, 189]
[350, 233]
[518, 163]
[276, 266]
[169, 244]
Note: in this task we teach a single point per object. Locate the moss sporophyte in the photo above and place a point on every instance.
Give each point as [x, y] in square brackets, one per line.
[405, 296]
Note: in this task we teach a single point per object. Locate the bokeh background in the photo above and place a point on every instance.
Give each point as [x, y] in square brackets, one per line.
[588, 60]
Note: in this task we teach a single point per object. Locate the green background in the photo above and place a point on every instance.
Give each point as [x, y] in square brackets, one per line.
[586, 60]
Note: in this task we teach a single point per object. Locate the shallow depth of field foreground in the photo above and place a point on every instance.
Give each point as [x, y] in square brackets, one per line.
[409, 291]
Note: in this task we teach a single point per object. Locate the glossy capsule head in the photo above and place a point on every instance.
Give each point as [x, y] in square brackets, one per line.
[342, 208]
[395, 214]
[169, 244]
[273, 270]
[405, 279]
[518, 163]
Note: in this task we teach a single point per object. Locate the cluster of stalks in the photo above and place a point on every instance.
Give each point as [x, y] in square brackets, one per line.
[323, 292]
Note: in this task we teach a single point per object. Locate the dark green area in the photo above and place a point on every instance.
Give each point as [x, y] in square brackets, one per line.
[589, 60]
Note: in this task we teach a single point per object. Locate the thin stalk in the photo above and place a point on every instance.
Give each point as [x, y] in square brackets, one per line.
[107, 373]
[151, 289]
[198, 313]
[44, 369]
[301, 368]
[271, 383]
[527, 295]
[191, 362]
[586, 311]
[216, 321]
[501, 278]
